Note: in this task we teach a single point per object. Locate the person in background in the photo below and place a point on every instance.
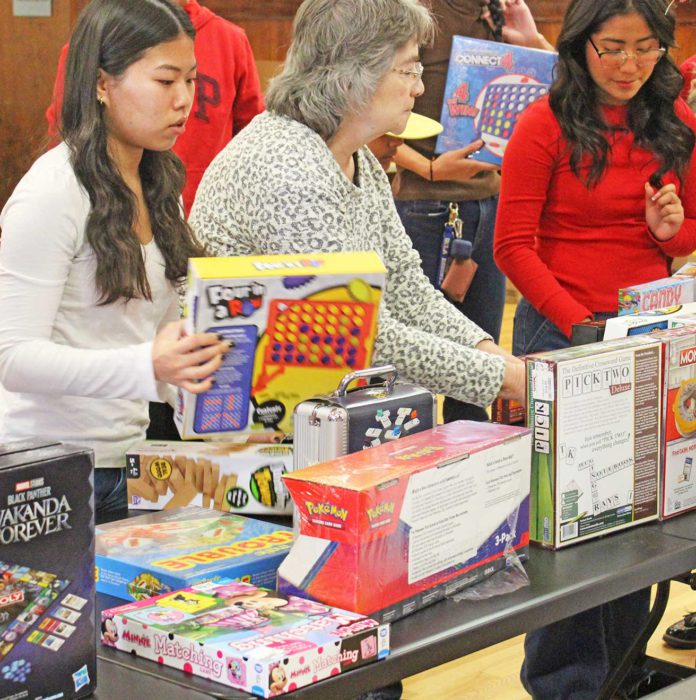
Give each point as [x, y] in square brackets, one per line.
[94, 244]
[228, 93]
[688, 70]
[425, 185]
[385, 147]
[598, 192]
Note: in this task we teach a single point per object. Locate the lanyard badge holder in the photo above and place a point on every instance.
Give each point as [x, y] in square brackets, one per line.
[457, 269]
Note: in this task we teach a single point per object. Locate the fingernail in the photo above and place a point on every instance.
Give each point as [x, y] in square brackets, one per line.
[221, 336]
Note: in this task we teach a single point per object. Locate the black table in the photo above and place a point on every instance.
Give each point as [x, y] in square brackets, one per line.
[561, 583]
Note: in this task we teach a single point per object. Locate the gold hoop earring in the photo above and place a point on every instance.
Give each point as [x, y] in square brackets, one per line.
[100, 100]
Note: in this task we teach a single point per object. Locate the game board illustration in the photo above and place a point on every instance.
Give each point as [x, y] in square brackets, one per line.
[25, 595]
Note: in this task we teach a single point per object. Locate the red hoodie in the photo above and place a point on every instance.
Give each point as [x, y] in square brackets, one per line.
[688, 70]
[228, 94]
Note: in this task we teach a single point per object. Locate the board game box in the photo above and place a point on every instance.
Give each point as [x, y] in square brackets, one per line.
[46, 571]
[677, 485]
[595, 411]
[162, 551]
[660, 294]
[246, 637]
[488, 86]
[296, 325]
[386, 531]
[231, 477]
[649, 321]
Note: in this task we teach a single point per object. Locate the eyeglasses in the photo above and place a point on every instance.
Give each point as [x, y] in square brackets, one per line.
[616, 59]
[416, 73]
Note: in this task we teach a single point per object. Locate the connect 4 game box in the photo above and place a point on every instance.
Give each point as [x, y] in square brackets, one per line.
[388, 530]
[595, 411]
[233, 477]
[46, 571]
[245, 636]
[296, 323]
[488, 86]
[162, 551]
[678, 485]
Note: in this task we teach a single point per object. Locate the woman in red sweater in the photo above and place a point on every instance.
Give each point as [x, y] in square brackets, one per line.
[598, 192]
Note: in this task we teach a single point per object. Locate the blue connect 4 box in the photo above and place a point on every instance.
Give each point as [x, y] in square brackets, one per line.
[163, 551]
[488, 86]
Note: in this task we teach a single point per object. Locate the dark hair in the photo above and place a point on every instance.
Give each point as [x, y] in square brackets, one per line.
[111, 35]
[498, 18]
[651, 115]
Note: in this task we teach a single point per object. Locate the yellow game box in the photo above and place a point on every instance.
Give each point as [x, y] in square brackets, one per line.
[296, 324]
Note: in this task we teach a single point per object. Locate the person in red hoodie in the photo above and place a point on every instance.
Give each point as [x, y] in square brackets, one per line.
[598, 192]
[228, 93]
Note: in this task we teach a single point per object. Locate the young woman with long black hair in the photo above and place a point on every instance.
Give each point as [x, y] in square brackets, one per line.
[94, 243]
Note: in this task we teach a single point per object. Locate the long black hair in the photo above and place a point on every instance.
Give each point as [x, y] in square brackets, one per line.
[651, 114]
[111, 35]
[497, 17]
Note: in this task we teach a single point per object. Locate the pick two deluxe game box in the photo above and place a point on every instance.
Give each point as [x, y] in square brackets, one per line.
[166, 550]
[488, 86]
[296, 325]
[46, 571]
[246, 637]
[595, 412]
[388, 530]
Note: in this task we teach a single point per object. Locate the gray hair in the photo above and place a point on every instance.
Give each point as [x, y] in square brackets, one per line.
[339, 52]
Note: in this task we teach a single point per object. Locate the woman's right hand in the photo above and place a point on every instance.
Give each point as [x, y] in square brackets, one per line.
[457, 166]
[188, 361]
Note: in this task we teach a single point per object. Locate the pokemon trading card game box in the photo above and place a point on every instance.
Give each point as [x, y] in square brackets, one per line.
[246, 637]
[296, 324]
[46, 571]
[388, 530]
[488, 86]
[166, 550]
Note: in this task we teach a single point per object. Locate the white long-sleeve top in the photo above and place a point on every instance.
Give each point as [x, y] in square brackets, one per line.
[71, 370]
[277, 188]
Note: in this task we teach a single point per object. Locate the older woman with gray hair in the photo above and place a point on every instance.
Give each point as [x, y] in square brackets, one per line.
[300, 179]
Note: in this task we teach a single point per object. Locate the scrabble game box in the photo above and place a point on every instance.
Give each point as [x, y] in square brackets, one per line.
[488, 86]
[231, 477]
[296, 324]
[660, 294]
[646, 322]
[388, 530]
[46, 571]
[246, 637]
[166, 550]
[595, 412]
[678, 486]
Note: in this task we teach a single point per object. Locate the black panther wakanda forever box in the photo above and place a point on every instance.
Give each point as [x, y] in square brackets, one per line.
[47, 635]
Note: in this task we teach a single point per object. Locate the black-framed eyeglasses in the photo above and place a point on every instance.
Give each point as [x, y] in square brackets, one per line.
[642, 57]
[416, 73]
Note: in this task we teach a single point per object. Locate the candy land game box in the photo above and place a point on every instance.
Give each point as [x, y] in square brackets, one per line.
[166, 550]
[246, 637]
[488, 86]
[296, 324]
[46, 571]
[388, 530]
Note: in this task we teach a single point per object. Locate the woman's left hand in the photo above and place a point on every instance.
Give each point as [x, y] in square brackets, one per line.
[664, 213]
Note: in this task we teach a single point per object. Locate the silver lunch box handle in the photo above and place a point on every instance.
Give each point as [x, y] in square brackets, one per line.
[389, 370]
